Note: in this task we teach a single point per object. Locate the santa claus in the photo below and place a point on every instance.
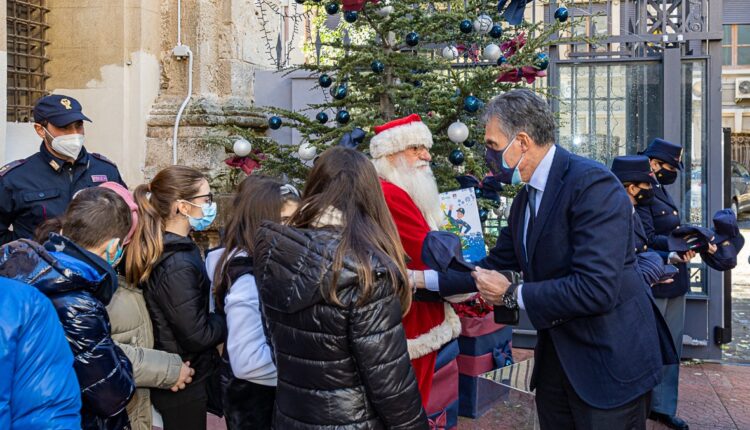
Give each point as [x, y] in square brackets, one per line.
[400, 152]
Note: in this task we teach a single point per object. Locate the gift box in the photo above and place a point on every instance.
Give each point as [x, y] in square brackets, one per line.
[444, 390]
[477, 395]
[442, 406]
[447, 419]
[447, 354]
[484, 346]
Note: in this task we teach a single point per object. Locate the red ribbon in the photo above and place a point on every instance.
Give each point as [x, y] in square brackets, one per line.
[440, 422]
[247, 164]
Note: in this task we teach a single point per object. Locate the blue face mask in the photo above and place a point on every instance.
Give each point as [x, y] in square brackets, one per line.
[209, 214]
[112, 261]
[499, 167]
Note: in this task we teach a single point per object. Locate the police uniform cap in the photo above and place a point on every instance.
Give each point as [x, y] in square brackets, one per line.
[668, 152]
[633, 168]
[59, 110]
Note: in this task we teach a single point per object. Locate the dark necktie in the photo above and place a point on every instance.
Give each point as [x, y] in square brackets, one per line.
[531, 191]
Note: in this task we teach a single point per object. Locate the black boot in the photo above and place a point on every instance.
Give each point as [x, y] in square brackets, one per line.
[670, 421]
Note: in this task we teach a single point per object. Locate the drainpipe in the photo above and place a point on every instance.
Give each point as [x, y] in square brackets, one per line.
[180, 52]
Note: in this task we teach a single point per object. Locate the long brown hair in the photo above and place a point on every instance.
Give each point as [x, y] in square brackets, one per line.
[154, 202]
[258, 198]
[94, 215]
[344, 179]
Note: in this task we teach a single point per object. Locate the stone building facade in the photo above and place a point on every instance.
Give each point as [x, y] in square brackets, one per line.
[116, 57]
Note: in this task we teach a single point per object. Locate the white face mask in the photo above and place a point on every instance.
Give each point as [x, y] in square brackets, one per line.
[68, 145]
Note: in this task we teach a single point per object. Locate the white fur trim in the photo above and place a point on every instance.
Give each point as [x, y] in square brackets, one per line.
[460, 298]
[438, 336]
[399, 138]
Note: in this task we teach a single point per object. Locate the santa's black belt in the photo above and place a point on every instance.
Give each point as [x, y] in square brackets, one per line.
[427, 296]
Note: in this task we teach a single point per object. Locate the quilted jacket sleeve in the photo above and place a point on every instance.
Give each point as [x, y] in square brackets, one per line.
[379, 348]
[153, 368]
[104, 372]
[185, 306]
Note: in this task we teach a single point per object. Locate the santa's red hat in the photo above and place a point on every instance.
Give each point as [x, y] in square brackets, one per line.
[398, 135]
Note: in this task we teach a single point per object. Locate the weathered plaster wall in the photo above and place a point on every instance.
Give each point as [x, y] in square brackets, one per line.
[3, 81]
[105, 54]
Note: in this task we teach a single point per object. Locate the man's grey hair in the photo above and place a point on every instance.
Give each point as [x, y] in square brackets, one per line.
[522, 110]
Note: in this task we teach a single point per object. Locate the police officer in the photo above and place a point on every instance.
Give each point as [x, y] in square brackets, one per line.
[659, 219]
[634, 171]
[41, 186]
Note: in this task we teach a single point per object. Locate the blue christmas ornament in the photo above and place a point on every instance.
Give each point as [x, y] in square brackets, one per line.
[542, 61]
[502, 60]
[322, 117]
[332, 8]
[471, 104]
[339, 92]
[350, 16]
[466, 26]
[483, 213]
[496, 31]
[412, 39]
[477, 192]
[470, 143]
[274, 123]
[325, 81]
[342, 117]
[377, 66]
[561, 14]
[456, 157]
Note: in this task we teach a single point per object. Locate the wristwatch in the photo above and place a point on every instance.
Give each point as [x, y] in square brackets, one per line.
[510, 298]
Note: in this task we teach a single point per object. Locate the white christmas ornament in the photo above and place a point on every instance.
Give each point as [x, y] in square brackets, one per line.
[450, 52]
[242, 147]
[483, 24]
[492, 52]
[306, 152]
[385, 11]
[458, 132]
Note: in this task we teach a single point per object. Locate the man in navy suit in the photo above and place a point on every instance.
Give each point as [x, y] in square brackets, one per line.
[599, 351]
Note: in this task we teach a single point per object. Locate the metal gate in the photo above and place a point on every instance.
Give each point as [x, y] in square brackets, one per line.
[650, 68]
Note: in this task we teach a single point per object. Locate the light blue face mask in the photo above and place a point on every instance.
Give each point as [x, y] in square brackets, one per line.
[118, 255]
[516, 178]
[209, 215]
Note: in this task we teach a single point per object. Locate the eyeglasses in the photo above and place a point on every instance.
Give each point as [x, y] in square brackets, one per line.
[209, 196]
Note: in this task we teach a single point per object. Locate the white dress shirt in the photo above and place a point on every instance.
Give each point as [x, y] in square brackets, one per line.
[539, 183]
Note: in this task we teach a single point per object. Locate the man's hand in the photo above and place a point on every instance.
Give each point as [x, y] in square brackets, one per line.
[712, 248]
[492, 285]
[186, 377]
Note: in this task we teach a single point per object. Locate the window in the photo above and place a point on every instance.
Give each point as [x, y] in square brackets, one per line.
[27, 57]
[736, 45]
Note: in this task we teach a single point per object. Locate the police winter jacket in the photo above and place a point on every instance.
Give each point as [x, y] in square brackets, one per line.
[79, 284]
[176, 293]
[339, 366]
[38, 386]
[132, 331]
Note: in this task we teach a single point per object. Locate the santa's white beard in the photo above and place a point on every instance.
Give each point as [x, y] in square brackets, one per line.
[418, 181]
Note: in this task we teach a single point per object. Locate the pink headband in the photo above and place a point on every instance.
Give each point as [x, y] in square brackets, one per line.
[125, 194]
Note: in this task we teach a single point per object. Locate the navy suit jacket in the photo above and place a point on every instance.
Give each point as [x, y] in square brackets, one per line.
[582, 289]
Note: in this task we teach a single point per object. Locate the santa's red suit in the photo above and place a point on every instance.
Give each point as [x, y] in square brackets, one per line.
[429, 324]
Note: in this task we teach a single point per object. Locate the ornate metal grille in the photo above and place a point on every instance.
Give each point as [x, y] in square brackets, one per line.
[27, 57]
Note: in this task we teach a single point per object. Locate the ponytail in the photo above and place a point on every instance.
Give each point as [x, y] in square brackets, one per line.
[155, 202]
[147, 243]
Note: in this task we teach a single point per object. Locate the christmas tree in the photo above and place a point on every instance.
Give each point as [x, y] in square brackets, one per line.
[441, 60]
